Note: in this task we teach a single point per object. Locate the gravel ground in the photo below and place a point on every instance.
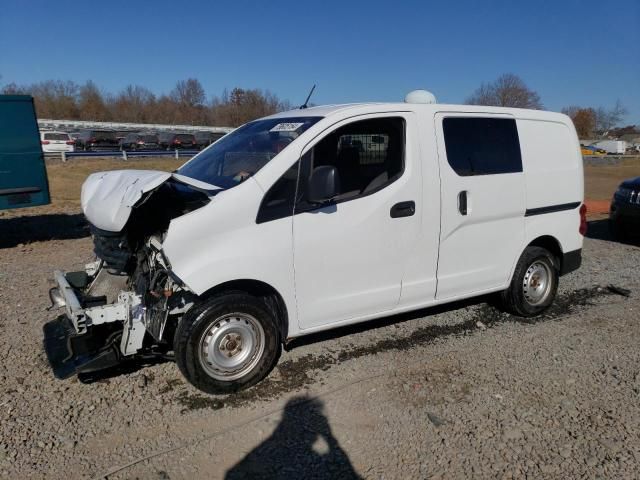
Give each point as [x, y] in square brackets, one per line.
[456, 392]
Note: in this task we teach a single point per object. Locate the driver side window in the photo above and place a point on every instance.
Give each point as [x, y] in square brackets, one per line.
[368, 155]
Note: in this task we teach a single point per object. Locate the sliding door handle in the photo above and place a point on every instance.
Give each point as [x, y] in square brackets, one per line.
[403, 209]
[463, 202]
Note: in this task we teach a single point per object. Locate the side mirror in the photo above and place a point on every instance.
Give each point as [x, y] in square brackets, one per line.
[324, 184]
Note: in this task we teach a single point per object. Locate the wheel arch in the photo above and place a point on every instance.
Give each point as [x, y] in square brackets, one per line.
[257, 288]
[548, 242]
[551, 244]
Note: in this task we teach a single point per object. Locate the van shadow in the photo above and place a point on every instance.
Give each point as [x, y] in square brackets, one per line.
[37, 228]
[127, 367]
[599, 230]
[491, 300]
[301, 446]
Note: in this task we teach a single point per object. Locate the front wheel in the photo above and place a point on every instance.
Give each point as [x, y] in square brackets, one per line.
[227, 343]
[534, 284]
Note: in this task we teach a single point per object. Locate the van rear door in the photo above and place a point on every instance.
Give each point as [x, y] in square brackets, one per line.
[23, 175]
[483, 202]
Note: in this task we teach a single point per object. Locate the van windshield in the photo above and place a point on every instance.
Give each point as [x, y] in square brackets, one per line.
[241, 153]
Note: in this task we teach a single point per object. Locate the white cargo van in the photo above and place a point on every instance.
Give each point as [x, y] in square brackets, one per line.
[291, 225]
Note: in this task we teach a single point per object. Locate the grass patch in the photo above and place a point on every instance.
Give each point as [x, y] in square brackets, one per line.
[601, 181]
[65, 180]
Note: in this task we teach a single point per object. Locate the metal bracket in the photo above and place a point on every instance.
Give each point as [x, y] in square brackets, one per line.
[134, 330]
[107, 313]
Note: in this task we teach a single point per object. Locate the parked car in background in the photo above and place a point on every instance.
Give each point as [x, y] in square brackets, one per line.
[204, 139]
[140, 141]
[591, 150]
[55, 142]
[23, 176]
[633, 149]
[624, 215]
[96, 140]
[74, 136]
[120, 134]
[173, 141]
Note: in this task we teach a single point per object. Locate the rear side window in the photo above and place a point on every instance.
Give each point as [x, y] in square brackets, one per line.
[56, 136]
[104, 134]
[482, 146]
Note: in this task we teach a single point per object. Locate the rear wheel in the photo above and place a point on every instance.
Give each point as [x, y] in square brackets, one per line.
[227, 343]
[534, 284]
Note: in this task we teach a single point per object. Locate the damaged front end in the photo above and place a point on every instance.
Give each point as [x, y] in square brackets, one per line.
[126, 304]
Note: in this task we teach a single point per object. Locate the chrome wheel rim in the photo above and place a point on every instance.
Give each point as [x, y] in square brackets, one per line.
[537, 283]
[231, 346]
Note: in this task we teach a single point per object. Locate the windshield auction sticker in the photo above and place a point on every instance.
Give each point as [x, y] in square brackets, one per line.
[286, 127]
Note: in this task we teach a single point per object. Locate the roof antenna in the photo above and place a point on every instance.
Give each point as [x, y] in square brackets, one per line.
[304, 105]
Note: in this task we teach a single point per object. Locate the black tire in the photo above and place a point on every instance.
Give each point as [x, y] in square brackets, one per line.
[192, 334]
[521, 296]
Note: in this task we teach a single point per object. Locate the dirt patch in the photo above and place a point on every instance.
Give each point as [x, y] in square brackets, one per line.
[292, 375]
[597, 207]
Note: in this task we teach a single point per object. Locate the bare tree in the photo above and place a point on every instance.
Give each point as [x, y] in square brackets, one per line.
[190, 98]
[91, 103]
[241, 106]
[133, 104]
[55, 99]
[508, 90]
[584, 119]
[189, 92]
[13, 89]
[607, 118]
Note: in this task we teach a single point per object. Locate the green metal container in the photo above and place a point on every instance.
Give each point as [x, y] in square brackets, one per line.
[23, 174]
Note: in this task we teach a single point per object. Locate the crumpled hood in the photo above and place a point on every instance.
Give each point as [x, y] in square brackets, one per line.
[108, 197]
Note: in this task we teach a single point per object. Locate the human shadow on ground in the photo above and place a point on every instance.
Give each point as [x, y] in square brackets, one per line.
[301, 446]
[37, 228]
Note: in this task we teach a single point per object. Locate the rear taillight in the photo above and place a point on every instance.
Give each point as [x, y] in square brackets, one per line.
[92, 140]
[176, 141]
[69, 142]
[45, 142]
[583, 220]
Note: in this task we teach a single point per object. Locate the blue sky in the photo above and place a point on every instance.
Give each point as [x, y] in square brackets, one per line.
[572, 52]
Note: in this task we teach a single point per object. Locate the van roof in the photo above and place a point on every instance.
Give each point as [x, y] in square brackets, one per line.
[363, 108]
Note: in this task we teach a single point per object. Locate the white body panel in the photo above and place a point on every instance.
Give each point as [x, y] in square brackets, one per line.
[359, 271]
[495, 216]
[350, 262]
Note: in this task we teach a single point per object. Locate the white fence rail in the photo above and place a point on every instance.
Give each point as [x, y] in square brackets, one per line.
[52, 124]
[124, 155]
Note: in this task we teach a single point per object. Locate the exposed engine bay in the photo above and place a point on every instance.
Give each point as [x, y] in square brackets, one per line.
[128, 302]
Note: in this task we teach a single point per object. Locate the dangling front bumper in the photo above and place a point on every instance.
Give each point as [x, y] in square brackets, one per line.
[92, 335]
[70, 353]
